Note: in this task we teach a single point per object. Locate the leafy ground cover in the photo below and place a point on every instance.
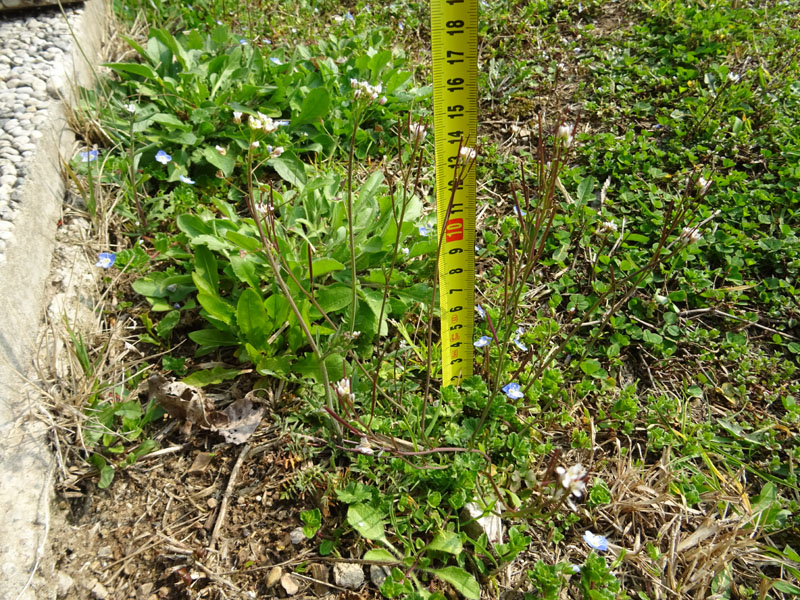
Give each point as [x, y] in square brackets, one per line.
[263, 177]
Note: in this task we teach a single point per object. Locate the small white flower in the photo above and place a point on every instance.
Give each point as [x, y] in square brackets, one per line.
[364, 447]
[342, 389]
[405, 251]
[275, 152]
[564, 133]
[607, 227]
[468, 154]
[573, 479]
[131, 108]
[255, 144]
[223, 151]
[703, 185]
[690, 235]
[417, 132]
[382, 100]
[237, 117]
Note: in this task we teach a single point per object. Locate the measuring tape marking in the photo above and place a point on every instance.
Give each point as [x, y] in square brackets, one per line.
[454, 25]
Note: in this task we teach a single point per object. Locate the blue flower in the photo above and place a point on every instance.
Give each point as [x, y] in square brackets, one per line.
[185, 179]
[275, 60]
[89, 156]
[518, 342]
[423, 230]
[243, 42]
[105, 260]
[480, 311]
[595, 541]
[484, 340]
[163, 157]
[575, 568]
[349, 16]
[512, 391]
[519, 212]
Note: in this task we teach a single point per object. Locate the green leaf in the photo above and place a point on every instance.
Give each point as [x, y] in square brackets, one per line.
[206, 266]
[213, 338]
[379, 555]
[312, 520]
[245, 271]
[315, 105]
[211, 376]
[168, 323]
[217, 307]
[133, 69]
[334, 297]
[590, 366]
[290, 168]
[463, 582]
[366, 520]
[252, 319]
[447, 541]
[224, 163]
[106, 477]
[323, 266]
[308, 366]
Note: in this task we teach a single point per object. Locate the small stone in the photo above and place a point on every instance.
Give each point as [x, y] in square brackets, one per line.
[64, 584]
[378, 574]
[289, 584]
[99, 591]
[144, 591]
[105, 551]
[348, 575]
[274, 576]
[297, 536]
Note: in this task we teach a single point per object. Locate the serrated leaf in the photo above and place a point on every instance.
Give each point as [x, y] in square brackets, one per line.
[463, 582]
[446, 541]
[366, 520]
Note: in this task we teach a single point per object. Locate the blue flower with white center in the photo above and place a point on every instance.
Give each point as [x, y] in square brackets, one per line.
[105, 260]
[186, 179]
[484, 340]
[512, 391]
[480, 311]
[89, 156]
[575, 568]
[243, 42]
[423, 230]
[595, 541]
[163, 157]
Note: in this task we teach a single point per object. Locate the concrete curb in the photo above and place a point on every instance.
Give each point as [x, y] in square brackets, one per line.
[26, 462]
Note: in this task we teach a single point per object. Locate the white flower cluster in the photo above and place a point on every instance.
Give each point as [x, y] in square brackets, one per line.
[690, 235]
[263, 122]
[343, 392]
[468, 154]
[417, 133]
[573, 480]
[607, 227]
[362, 89]
[565, 133]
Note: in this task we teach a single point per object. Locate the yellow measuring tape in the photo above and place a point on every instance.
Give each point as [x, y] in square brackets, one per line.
[454, 33]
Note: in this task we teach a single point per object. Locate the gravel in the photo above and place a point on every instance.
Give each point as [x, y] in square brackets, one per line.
[32, 45]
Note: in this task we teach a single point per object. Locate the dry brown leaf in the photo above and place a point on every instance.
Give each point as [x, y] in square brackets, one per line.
[243, 419]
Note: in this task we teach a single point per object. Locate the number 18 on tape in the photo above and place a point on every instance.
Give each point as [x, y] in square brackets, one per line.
[454, 33]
